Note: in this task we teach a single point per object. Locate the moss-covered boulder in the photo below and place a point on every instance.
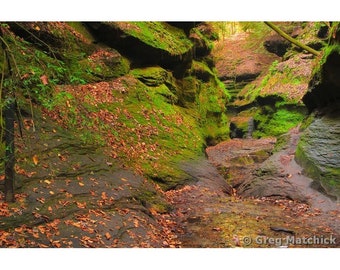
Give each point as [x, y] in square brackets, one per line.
[106, 63]
[202, 36]
[146, 43]
[159, 80]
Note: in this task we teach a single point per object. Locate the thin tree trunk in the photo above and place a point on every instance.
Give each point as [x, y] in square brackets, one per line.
[9, 155]
[290, 39]
[8, 114]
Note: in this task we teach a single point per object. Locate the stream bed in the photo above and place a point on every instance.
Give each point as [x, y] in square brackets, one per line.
[212, 212]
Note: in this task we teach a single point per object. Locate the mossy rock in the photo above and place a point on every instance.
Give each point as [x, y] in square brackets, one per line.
[277, 120]
[202, 37]
[105, 64]
[201, 71]
[146, 43]
[156, 76]
[157, 34]
[189, 87]
[58, 39]
[318, 152]
[165, 92]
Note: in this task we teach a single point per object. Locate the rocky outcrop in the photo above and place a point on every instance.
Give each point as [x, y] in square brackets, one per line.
[236, 159]
[146, 43]
[318, 151]
[280, 176]
[324, 88]
[58, 39]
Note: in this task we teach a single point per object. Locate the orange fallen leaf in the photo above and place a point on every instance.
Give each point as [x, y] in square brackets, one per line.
[81, 205]
[41, 200]
[35, 160]
[108, 236]
[18, 230]
[81, 184]
[104, 196]
[56, 244]
[44, 79]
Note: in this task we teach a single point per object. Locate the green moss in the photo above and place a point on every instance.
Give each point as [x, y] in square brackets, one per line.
[203, 37]
[278, 122]
[80, 28]
[152, 200]
[158, 35]
[156, 135]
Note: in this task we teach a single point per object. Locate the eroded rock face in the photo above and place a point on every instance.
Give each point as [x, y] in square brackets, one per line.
[324, 88]
[319, 153]
[280, 176]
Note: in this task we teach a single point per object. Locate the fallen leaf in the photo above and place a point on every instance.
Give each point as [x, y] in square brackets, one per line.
[18, 230]
[41, 200]
[104, 196]
[108, 236]
[51, 192]
[44, 79]
[81, 205]
[56, 244]
[35, 160]
[81, 184]
[47, 182]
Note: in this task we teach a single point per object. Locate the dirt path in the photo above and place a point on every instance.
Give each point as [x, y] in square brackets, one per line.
[207, 216]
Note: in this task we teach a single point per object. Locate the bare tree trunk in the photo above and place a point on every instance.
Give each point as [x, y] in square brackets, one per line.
[290, 39]
[8, 114]
[9, 155]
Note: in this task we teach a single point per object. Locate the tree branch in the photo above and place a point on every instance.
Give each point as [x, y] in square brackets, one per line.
[292, 40]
